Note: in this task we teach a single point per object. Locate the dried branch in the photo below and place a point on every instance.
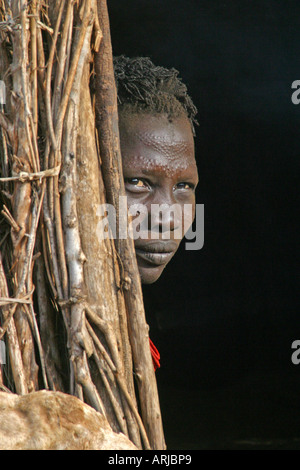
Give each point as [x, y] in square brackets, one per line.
[5, 212]
[61, 60]
[12, 341]
[11, 300]
[33, 41]
[6, 125]
[49, 77]
[109, 144]
[108, 333]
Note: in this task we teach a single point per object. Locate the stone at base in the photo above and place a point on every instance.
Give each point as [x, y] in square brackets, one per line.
[47, 420]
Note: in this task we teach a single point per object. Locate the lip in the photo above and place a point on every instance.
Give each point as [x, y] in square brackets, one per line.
[156, 253]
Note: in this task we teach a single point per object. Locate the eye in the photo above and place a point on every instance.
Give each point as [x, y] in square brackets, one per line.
[185, 186]
[136, 184]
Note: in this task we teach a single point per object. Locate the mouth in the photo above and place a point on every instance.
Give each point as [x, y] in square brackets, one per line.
[158, 253]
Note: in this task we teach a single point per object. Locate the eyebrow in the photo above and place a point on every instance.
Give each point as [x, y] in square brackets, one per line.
[152, 166]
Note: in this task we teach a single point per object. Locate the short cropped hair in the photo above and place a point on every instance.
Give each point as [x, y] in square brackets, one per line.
[145, 87]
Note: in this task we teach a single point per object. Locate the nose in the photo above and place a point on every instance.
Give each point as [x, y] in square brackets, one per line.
[164, 213]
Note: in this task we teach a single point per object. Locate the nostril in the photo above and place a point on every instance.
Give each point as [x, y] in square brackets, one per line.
[165, 217]
[165, 228]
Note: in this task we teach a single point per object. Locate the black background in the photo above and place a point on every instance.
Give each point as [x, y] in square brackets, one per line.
[224, 317]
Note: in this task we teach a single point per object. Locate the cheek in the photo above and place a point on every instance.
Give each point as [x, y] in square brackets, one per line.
[189, 213]
[137, 198]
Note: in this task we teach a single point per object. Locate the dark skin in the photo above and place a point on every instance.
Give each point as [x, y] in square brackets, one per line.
[159, 168]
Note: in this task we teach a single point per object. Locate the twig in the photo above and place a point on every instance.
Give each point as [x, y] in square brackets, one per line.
[5, 212]
[116, 406]
[14, 301]
[72, 70]
[11, 300]
[100, 347]
[33, 30]
[98, 34]
[122, 385]
[41, 62]
[121, 382]
[61, 61]
[33, 232]
[43, 26]
[5, 152]
[24, 80]
[49, 76]
[4, 389]
[105, 328]
[45, 257]
[83, 378]
[12, 340]
[4, 238]
[7, 126]
[35, 214]
[69, 47]
[39, 344]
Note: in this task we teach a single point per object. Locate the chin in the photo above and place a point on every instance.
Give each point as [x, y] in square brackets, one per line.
[150, 275]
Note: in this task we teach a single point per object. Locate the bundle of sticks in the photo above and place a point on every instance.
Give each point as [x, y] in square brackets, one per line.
[72, 314]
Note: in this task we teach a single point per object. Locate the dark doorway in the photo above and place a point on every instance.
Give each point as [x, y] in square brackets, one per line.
[224, 317]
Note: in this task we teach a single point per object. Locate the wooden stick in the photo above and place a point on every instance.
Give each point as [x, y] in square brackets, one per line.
[5, 212]
[49, 76]
[24, 160]
[80, 342]
[33, 41]
[47, 317]
[101, 283]
[72, 71]
[11, 300]
[115, 404]
[25, 86]
[61, 61]
[109, 144]
[119, 376]
[12, 341]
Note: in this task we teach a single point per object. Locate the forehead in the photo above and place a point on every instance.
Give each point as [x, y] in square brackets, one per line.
[156, 143]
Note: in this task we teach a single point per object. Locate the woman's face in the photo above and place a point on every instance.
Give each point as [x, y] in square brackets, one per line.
[159, 168]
